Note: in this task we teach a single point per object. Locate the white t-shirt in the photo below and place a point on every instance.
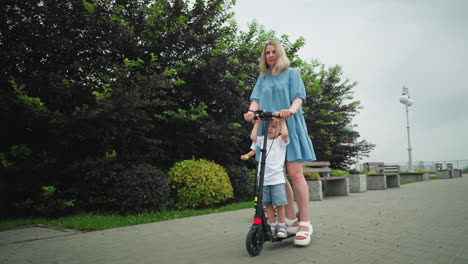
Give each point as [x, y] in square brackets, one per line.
[274, 164]
[253, 146]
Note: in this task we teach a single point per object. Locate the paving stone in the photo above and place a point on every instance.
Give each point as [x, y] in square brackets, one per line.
[424, 222]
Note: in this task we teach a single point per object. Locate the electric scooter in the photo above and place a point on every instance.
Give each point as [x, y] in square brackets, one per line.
[260, 231]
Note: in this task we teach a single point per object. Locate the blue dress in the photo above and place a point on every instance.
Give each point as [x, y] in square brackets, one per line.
[277, 92]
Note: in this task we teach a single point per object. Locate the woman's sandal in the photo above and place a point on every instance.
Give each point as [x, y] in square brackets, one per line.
[306, 234]
[290, 228]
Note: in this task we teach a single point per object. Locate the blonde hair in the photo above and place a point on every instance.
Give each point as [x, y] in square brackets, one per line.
[277, 123]
[282, 61]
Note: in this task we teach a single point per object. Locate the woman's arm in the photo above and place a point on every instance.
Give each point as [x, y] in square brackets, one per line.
[249, 116]
[296, 104]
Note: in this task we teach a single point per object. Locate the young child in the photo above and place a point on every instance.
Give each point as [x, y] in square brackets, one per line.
[274, 192]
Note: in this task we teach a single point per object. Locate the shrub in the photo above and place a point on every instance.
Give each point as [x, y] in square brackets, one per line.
[465, 170]
[141, 187]
[109, 184]
[372, 172]
[196, 183]
[97, 186]
[48, 202]
[420, 171]
[311, 175]
[253, 177]
[338, 173]
[354, 171]
[241, 181]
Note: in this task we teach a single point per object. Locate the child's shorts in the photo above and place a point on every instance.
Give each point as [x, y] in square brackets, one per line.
[275, 194]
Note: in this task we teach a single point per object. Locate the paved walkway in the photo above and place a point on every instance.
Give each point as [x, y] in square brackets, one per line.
[424, 222]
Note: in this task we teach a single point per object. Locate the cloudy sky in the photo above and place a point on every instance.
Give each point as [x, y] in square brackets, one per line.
[383, 45]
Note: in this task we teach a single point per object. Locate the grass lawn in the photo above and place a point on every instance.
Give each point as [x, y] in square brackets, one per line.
[100, 221]
[431, 177]
[406, 182]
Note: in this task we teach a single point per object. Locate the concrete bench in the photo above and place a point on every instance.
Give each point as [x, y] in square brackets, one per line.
[331, 186]
[414, 176]
[387, 176]
[357, 183]
[442, 173]
[454, 173]
[393, 175]
[457, 173]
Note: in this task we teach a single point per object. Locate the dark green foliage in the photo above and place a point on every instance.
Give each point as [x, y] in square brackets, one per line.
[198, 183]
[46, 201]
[95, 179]
[110, 185]
[53, 204]
[80, 81]
[140, 188]
[89, 88]
[241, 181]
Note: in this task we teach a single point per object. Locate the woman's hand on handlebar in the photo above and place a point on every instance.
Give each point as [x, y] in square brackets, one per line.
[285, 113]
[249, 116]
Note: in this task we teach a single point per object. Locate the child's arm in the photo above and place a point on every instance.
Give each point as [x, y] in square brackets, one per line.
[248, 155]
[284, 130]
[254, 134]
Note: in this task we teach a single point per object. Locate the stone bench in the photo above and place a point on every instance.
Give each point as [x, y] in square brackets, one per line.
[447, 173]
[414, 176]
[457, 173]
[357, 183]
[331, 186]
[387, 176]
[454, 173]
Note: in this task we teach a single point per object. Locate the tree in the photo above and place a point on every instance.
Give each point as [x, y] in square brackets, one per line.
[93, 91]
[70, 94]
[329, 110]
[138, 81]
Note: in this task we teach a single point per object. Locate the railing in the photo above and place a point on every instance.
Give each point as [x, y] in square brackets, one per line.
[428, 165]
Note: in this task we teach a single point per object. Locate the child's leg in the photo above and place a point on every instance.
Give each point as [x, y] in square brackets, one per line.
[282, 230]
[280, 210]
[278, 194]
[279, 198]
[271, 213]
[271, 218]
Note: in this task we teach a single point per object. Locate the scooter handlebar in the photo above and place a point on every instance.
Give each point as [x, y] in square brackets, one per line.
[264, 115]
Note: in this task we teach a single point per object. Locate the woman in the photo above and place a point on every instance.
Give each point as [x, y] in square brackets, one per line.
[280, 90]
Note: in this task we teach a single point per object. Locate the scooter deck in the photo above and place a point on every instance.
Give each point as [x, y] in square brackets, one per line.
[280, 239]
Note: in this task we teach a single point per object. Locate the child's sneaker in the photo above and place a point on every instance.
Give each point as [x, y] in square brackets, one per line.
[282, 230]
[273, 229]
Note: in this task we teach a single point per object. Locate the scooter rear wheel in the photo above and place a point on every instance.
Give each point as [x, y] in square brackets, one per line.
[253, 242]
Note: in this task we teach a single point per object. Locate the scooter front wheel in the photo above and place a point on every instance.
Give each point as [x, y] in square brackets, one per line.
[254, 242]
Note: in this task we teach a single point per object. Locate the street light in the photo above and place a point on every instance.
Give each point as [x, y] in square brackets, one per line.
[407, 101]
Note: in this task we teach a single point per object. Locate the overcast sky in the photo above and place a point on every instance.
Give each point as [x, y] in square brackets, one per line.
[383, 45]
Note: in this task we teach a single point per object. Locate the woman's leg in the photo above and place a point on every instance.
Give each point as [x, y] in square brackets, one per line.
[301, 192]
[289, 208]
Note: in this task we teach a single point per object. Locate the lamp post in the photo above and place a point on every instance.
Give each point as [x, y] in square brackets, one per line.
[407, 101]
